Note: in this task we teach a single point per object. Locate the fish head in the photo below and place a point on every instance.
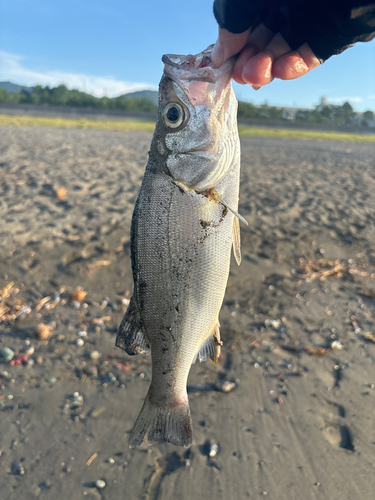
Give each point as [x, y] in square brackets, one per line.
[196, 130]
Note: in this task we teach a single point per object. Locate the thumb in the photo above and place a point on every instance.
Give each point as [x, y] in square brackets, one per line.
[227, 45]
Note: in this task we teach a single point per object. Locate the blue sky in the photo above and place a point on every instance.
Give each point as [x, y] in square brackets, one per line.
[112, 47]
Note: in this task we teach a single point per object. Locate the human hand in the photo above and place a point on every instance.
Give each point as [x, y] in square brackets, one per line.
[286, 39]
[263, 56]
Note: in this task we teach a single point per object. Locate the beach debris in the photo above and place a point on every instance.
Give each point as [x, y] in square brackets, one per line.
[82, 333]
[61, 193]
[369, 336]
[78, 295]
[94, 355]
[322, 269]
[110, 460]
[316, 351]
[100, 484]
[7, 353]
[98, 411]
[91, 459]
[42, 331]
[225, 385]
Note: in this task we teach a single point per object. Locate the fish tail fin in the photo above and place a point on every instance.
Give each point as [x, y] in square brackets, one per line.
[167, 423]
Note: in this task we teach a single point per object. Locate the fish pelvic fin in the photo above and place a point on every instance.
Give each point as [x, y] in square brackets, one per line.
[236, 238]
[163, 423]
[130, 335]
[211, 348]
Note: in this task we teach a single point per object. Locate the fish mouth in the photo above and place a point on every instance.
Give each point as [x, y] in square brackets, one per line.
[197, 67]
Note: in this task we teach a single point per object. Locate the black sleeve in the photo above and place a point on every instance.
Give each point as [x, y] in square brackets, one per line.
[328, 26]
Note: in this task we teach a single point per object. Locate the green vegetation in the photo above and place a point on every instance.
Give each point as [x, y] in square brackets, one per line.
[125, 125]
[62, 96]
[312, 135]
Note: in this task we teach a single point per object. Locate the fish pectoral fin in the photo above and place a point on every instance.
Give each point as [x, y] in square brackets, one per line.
[130, 335]
[236, 238]
[215, 195]
[211, 347]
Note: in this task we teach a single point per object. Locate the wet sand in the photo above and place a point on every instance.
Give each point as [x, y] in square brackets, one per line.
[297, 324]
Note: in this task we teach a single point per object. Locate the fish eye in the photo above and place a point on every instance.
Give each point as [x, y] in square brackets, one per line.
[173, 115]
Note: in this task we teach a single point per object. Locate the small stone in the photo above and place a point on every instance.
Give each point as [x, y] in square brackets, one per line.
[52, 380]
[39, 360]
[95, 355]
[18, 469]
[82, 333]
[273, 323]
[110, 460]
[91, 370]
[214, 448]
[65, 357]
[7, 353]
[225, 386]
[100, 484]
[76, 304]
[80, 342]
[337, 345]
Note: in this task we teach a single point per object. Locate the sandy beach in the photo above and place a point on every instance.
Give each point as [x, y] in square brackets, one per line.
[297, 324]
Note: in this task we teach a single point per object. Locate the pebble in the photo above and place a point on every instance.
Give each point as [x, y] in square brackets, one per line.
[80, 342]
[100, 484]
[95, 355]
[110, 460]
[224, 386]
[65, 357]
[18, 469]
[7, 353]
[52, 380]
[273, 323]
[214, 448]
[82, 333]
[337, 345]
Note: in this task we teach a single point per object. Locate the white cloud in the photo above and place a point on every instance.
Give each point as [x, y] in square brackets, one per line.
[12, 69]
[341, 100]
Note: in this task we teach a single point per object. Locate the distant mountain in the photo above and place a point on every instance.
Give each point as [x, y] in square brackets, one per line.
[13, 87]
[148, 94]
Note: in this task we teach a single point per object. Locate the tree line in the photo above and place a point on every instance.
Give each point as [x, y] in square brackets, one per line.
[62, 96]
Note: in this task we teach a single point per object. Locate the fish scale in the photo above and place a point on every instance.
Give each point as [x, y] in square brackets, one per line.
[183, 229]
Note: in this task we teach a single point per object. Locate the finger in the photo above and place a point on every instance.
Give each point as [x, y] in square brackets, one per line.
[295, 64]
[258, 70]
[227, 45]
[256, 42]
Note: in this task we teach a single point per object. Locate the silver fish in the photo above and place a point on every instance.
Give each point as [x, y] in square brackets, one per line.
[183, 228]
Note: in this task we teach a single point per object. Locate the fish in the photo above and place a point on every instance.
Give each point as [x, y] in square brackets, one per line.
[184, 225]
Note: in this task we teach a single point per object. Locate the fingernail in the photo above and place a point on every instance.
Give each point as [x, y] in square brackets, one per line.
[217, 55]
[256, 87]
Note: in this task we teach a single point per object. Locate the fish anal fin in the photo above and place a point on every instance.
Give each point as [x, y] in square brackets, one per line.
[130, 336]
[211, 347]
[236, 238]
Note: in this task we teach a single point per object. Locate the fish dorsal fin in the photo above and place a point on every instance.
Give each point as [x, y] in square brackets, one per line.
[130, 335]
[236, 238]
